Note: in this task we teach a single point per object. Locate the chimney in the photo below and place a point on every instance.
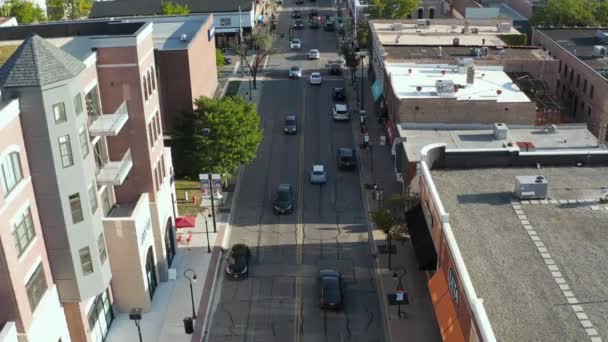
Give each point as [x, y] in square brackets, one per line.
[470, 75]
[466, 26]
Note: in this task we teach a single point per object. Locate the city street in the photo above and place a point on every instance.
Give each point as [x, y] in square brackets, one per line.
[327, 229]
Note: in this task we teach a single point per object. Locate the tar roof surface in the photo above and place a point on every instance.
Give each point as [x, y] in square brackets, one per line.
[520, 295]
[425, 52]
[579, 42]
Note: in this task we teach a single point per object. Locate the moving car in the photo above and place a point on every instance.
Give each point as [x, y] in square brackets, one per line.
[318, 175]
[298, 24]
[296, 14]
[313, 14]
[329, 26]
[295, 71]
[340, 112]
[335, 69]
[238, 262]
[291, 124]
[315, 78]
[314, 23]
[346, 158]
[283, 199]
[338, 94]
[296, 43]
[332, 296]
[314, 54]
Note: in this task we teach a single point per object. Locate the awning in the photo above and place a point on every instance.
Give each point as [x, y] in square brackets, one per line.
[445, 311]
[185, 222]
[377, 89]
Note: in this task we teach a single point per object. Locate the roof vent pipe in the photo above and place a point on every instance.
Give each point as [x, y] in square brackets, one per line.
[440, 54]
[470, 75]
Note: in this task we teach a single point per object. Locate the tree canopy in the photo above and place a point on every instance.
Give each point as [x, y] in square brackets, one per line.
[219, 58]
[393, 9]
[68, 9]
[170, 8]
[572, 13]
[26, 12]
[234, 138]
[262, 40]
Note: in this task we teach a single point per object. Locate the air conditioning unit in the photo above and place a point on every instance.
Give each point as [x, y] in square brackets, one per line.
[598, 51]
[183, 37]
[445, 88]
[420, 23]
[531, 187]
[501, 131]
[397, 27]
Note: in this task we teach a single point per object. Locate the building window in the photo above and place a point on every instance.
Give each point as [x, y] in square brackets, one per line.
[149, 82]
[420, 13]
[23, 232]
[157, 118]
[578, 80]
[156, 183]
[65, 150]
[155, 127]
[225, 21]
[85, 260]
[591, 91]
[431, 13]
[153, 78]
[59, 112]
[571, 75]
[162, 167]
[151, 134]
[560, 67]
[105, 201]
[101, 245]
[566, 70]
[76, 207]
[584, 86]
[589, 111]
[100, 316]
[36, 287]
[93, 197]
[143, 80]
[11, 172]
[78, 104]
[84, 142]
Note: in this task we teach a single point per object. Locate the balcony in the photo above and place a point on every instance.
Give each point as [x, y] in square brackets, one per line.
[109, 124]
[115, 172]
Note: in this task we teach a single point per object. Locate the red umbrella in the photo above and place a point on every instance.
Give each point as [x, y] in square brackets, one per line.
[185, 222]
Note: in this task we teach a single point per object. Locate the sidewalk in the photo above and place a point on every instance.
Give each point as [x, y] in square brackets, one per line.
[419, 322]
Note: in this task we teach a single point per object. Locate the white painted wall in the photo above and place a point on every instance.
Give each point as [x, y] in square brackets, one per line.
[48, 323]
[9, 332]
[229, 21]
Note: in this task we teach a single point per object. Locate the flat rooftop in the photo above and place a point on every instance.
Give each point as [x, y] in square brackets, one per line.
[494, 54]
[490, 83]
[519, 286]
[441, 32]
[168, 35]
[477, 136]
[579, 42]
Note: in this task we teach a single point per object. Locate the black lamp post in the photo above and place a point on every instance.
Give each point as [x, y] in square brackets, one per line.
[207, 134]
[206, 215]
[399, 274]
[362, 58]
[135, 315]
[191, 276]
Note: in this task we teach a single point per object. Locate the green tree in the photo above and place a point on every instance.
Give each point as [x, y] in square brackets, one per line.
[170, 8]
[566, 13]
[262, 40]
[363, 34]
[601, 13]
[25, 11]
[219, 58]
[393, 9]
[234, 139]
[68, 9]
[350, 57]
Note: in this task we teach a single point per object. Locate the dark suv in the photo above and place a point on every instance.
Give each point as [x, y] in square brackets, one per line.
[335, 69]
[332, 296]
[238, 262]
[346, 158]
[283, 199]
[338, 94]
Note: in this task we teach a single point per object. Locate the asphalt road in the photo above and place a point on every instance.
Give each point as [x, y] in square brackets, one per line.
[280, 299]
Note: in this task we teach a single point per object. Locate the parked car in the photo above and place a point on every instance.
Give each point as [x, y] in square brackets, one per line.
[338, 94]
[318, 175]
[335, 69]
[315, 78]
[314, 54]
[332, 294]
[283, 199]
[346, 158]
[298, 24]
[340, 112]
[291, 124]
[296, 14]
[296, 43]
[295, 71]
[238, 262]
[329, 26]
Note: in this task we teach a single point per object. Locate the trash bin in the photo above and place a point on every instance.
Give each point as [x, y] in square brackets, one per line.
[188, 325]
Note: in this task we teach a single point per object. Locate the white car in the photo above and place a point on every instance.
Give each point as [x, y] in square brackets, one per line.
[340, 112]
[318, 175]
[295, 71]
[314, 54]
[296, 44]
[315, 78]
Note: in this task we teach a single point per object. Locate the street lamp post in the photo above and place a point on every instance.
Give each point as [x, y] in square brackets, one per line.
[206, 215]
[207, 134]
[362, 57]
[400, 291]
[191, 276]
[135, 315]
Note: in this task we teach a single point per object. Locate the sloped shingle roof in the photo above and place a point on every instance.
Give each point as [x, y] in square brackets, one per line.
[37, 62]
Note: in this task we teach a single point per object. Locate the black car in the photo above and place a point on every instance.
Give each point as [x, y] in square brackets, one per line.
[338, 94]
[335, 69]
[314, 24]
[296, 14]
[329, 26]
[290, 125]
[346, 158]
[298, 24]
[332, 296]
[238, 262]
[283, 199]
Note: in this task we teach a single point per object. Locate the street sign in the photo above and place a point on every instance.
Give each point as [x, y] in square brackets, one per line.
[400, 295]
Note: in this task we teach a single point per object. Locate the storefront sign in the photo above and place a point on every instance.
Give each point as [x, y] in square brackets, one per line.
[453, 285]
[211, 32]
[216, 185]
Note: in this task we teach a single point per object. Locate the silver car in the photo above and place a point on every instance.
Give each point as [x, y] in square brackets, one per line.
[318, 175]
[314, 54]
[295, 71]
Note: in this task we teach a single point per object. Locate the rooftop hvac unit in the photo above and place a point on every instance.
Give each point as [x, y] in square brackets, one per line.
[445, 88]
[421, 23]
[598, 51]
[531, 187]
[504, 27]
[397, 27]
[475, 30]
[501, 131]
[463, 64]
[183, 37]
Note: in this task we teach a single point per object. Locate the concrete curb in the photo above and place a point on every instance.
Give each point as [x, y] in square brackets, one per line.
[213, 270]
